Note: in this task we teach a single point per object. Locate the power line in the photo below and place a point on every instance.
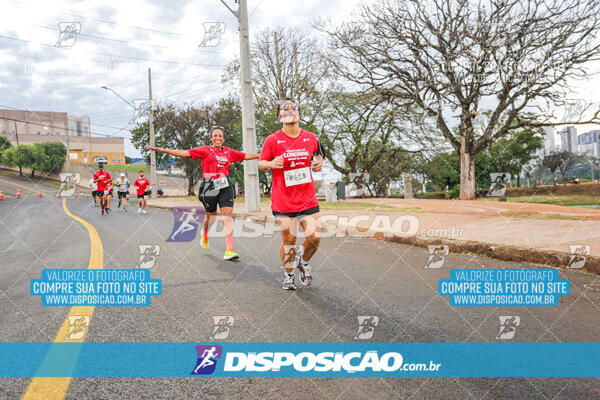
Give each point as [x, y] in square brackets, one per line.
[106, 54]
[115, 40]
[108, 22]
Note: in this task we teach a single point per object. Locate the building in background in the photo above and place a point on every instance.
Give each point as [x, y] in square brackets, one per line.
[28, 127]
[79, 126]
[549, 144]
[568, 139]
[589, 143]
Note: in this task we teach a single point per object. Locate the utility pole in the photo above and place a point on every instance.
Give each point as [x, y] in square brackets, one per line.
[153, 181]
[251, 188]
[251, 192]
[592, 168]
[17, 136]
[68, 150]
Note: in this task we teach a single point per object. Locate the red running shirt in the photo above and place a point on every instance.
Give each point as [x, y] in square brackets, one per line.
[297, 153]
[142, 184]
[215, 162]
[103, 180]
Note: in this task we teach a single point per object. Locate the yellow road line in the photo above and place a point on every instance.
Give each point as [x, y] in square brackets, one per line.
[56, 388]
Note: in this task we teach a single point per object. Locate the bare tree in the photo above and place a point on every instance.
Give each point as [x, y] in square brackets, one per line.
[287, 63]
[446, 57]
[363, 134]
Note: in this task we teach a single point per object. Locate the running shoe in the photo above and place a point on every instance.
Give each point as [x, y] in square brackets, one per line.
[107, 211]
[102, 212]
[231, 255]
[204, 240]
[288, 282]
[139, 210]
[305, 275]
[143, 211]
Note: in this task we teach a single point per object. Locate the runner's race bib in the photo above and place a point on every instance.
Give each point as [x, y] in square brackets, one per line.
[106, 192]
[221, 183]
[297, 176]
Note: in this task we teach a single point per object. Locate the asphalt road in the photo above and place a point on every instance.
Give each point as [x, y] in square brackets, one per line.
[352, 277]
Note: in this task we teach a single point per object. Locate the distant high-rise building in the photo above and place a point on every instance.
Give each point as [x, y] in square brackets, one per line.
[568, 139]
[549, 141]
[589, 143]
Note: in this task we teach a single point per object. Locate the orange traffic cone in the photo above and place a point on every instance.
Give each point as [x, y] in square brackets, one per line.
[40, 194]
[18, 194]
[87, 195]
[75, 194]
[1, 195]
[58, 195]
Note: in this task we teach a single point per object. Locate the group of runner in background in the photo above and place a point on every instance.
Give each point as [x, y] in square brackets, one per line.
[102, 187]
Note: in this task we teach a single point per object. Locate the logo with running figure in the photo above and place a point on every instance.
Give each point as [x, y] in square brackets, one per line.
[437, 253]
[68, 33]
[579, 253]
[77, 327]
[207, 359]
[185, 223]
[148, 255]
[223, 324]
[508, 327]
[500, 181]
[212, 34]
[366, 326]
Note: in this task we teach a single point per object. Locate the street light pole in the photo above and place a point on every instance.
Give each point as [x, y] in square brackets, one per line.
[251, 188]
[153, 181]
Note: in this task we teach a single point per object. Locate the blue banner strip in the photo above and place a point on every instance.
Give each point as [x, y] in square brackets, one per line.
[182, 359]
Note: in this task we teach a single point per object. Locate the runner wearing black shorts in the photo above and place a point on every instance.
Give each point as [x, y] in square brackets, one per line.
[215, 189]
[293, 154]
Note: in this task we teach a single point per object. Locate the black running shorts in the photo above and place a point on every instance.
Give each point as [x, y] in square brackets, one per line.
[210, 198]
[299, 214]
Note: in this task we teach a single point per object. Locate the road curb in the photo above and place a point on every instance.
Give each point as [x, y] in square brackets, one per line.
[500, 252]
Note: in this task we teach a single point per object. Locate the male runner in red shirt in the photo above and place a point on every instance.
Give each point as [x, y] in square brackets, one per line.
[141, 184]
[215, 188]
[292, 154]
[102, 178]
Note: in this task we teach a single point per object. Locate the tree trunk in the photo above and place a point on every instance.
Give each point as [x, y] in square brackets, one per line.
[32, 171]
[467, 173]
[518, 180]
[190, 185]
[20, 171]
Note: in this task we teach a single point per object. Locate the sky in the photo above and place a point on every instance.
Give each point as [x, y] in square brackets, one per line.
[117, 43]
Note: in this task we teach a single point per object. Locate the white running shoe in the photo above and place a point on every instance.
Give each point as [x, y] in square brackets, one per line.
[143, 211]
[288, 282]
[305, 275]
[139, 210]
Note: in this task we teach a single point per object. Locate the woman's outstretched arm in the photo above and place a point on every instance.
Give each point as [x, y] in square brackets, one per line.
[176, 153]
[251, 156]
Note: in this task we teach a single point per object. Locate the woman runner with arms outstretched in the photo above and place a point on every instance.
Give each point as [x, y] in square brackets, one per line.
[291, 153]
[215, 188]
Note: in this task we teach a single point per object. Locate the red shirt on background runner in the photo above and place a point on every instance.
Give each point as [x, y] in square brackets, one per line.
[142, 184]
[286, 194]
[103, 179]
[215, 162]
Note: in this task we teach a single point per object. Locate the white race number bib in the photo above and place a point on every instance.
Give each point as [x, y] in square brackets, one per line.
[221, 183]
[297, 176]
